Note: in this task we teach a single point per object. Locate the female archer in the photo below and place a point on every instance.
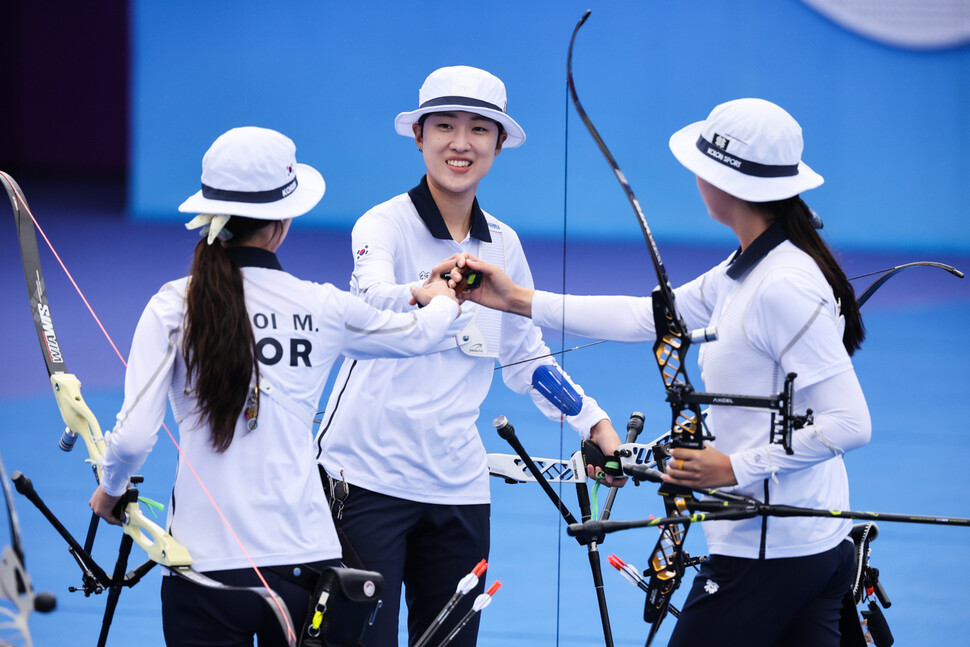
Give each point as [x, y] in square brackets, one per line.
[242, 350]
[780, 305]
[402, 433]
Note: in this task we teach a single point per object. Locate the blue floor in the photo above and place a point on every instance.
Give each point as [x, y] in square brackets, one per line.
[911, 367]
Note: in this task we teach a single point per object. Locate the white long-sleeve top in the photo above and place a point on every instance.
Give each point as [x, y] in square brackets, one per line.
[407, 427]
[774, 314]
[266, 482]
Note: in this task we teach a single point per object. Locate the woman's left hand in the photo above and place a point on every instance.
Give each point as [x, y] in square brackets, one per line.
[103, 504]
[699, 468]
[606, 438]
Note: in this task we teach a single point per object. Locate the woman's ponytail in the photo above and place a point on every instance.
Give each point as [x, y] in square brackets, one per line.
[218, 344]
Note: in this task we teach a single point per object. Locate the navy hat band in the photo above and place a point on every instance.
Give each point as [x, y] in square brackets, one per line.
[259, 197]
[460, 101]
[742, 165]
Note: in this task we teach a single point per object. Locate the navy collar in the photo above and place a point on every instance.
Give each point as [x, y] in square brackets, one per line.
[244, 256]
[424, 202]
[770, 238]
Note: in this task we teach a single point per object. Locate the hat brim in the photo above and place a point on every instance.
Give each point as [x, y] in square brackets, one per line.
[310, 188]
[683, 144]
[516, 136]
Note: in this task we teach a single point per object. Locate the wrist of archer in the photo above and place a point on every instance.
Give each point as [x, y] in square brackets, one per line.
[605, 437]
[521, 301]
[730, 480]
[600, 429]
[752, 466]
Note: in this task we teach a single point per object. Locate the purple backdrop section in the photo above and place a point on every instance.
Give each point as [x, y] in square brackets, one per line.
[66, 72]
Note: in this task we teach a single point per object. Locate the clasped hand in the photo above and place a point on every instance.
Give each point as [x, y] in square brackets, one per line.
[699, 468]
[435, 285]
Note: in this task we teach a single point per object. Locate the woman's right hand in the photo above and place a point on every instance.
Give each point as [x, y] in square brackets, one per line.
[497, 290]
[436, 285]
[103, 504]
[432, 288]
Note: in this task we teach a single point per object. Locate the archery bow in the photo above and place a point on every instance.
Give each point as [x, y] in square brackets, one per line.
[161, 547]
[668, 560]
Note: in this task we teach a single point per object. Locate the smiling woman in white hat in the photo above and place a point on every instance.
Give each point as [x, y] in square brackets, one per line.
[463, 89]
[403, 432]
[780, 304]
[243, 350]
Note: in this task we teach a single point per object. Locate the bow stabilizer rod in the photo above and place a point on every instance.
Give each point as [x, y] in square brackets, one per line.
[707, 510]
[507, 432]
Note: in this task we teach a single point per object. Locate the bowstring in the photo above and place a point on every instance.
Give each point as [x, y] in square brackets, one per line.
[107, 335]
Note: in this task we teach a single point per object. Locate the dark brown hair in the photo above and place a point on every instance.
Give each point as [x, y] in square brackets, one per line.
[218, 344]
[796, 219]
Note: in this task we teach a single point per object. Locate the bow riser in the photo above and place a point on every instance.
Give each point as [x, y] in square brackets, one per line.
[161, 547]
[78, 417]
[514, 470]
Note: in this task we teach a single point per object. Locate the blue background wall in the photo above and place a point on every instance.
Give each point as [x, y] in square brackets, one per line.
[883, 125]
[887, 127]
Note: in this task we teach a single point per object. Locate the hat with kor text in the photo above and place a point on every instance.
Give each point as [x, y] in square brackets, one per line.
[253, 172]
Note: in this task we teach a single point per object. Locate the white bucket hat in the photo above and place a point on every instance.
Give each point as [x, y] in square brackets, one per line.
[253, 172]
[750, 148]
[467, 89]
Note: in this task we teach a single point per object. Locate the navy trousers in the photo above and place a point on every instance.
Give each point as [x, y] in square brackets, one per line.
[195, 616]
[425, 547]
[790, 602]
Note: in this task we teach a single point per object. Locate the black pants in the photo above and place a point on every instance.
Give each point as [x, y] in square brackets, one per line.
[790, 602]
[195, 616]
[426, 547]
